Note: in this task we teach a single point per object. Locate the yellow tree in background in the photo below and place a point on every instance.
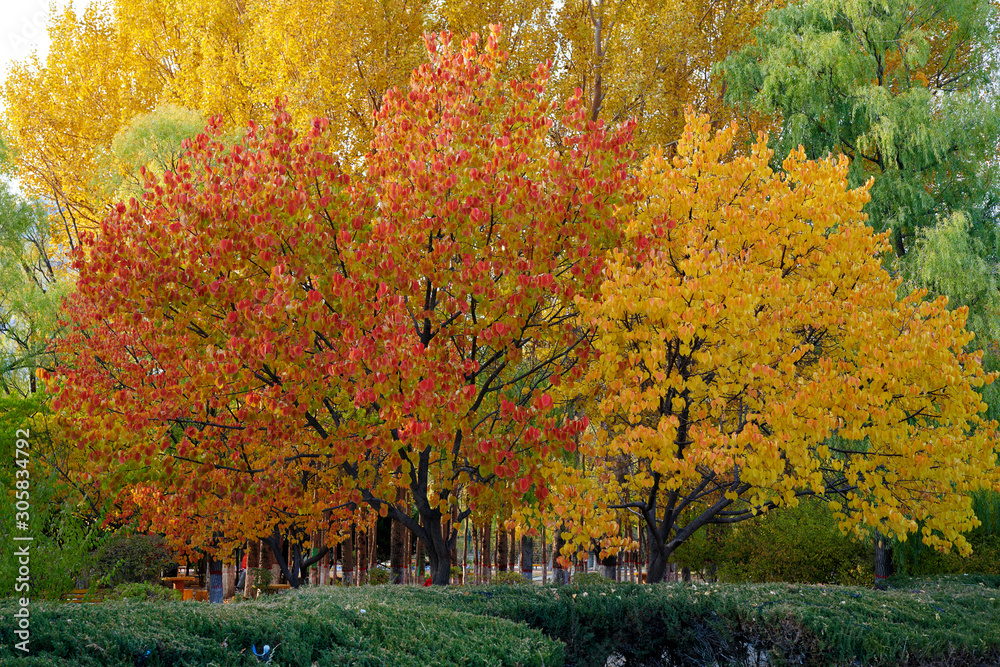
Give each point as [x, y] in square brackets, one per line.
[650, 59]
[125, 58]
[753, 350]
[61, 113]
[334, 59]
[647, 59]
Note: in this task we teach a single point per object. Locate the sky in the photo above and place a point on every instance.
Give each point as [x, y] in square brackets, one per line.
[22, 30]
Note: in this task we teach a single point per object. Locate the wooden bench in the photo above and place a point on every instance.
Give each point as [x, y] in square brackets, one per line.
[81, 595]
[179, 582]
[274, 588]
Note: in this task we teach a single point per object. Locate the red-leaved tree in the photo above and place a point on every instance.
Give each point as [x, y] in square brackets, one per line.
[270, 345]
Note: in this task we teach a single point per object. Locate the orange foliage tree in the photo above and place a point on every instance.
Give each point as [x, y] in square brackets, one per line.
[263, 341]
[752, 350]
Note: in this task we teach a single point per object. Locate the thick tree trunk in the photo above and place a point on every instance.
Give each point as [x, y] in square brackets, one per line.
[527, 558]
[296, 566]
[438, 552]
[266, 556]
[438, 533]
[229, 581]
[347, 558]
[883, 557]
[609, 567]
[501, 550]
[215, 581]
[396, 553]
[559, 574]
[658, 559]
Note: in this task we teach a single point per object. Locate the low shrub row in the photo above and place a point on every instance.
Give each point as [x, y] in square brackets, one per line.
[947, 620]
[315, 630]
[916, 622]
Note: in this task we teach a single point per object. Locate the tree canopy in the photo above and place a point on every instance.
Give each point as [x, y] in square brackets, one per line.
[121, 60]
[261, 330]
[410, 275]
[902, 89]
[752, 350]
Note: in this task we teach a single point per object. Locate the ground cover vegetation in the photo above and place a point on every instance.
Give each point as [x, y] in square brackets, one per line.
[439, 282]
[916, 622]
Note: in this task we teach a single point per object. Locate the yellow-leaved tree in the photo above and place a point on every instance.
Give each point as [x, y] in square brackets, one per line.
[753, 350]
[122, 59]
[648, 59]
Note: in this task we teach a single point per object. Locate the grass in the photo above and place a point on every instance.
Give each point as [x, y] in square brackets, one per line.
[952, 620]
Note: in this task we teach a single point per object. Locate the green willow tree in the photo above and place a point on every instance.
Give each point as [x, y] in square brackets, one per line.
[31, 288]
[901, 88]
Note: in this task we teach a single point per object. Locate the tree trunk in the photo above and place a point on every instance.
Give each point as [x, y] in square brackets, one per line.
[545, 560]
[527, 558]
[438, 533]
[315, 572]
[229, 580]
[347, 558]
[362, 541]
[296, 566]
[421, 572]
[477, 559]
[438, 551]
[658, 559]
[408, 562]
[502, 550]
[215, 581]
[465, 553]
[396, 552]
[883, 557]
[609, 567]
[453, 530]
[266, 556]
[487, 553]
[511, 550]
[559, 574]
[253, 561]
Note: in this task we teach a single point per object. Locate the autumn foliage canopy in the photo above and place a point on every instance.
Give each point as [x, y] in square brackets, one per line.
[263, 333]
[752, 350]
[265, 342]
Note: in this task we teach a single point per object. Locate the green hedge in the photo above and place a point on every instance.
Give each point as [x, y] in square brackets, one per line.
[304, 630]
[948, 620]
